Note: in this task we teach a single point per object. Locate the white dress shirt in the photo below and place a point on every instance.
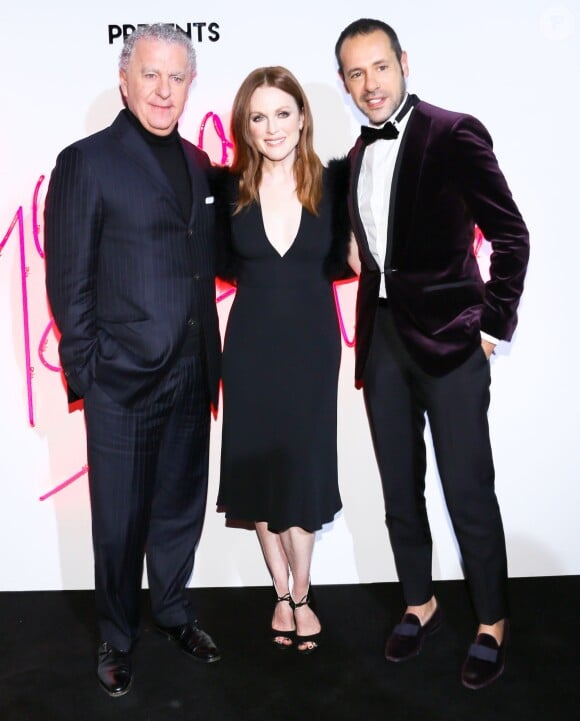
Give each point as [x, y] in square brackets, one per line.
[374, 191]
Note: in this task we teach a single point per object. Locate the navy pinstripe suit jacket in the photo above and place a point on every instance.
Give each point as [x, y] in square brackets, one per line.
[125, 271]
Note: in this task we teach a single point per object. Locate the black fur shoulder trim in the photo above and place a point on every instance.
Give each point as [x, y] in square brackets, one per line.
[337, 176]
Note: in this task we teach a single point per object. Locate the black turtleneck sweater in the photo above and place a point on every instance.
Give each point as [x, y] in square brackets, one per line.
[169, 153]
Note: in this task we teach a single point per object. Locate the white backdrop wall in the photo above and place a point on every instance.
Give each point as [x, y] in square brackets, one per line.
[514, 65]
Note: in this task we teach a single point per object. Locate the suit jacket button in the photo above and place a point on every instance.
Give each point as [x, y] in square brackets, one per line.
[196, 276]
[192, 322]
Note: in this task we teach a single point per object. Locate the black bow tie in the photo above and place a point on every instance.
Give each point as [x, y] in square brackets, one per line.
[388, 131]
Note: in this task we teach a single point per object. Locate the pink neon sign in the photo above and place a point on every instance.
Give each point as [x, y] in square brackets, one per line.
[17, 229]
[344, 291]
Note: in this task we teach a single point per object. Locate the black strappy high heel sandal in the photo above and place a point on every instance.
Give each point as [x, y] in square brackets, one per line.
[310, 643]
[278, 635]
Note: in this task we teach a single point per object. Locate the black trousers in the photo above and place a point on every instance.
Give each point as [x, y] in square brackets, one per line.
[148, 471]
[398, 395]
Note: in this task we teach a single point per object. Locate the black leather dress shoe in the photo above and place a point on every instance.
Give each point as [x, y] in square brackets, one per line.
[114, 670]
[407, 637]
[193, 641]
[485, 660]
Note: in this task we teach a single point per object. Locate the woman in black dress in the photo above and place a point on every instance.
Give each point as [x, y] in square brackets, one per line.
[287, 236]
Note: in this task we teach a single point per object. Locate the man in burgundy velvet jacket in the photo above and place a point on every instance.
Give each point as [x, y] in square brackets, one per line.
[426, 325]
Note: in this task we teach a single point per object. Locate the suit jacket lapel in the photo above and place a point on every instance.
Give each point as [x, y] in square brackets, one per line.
[405, 186]
[356, 162]
[199, 187]
[135, 147]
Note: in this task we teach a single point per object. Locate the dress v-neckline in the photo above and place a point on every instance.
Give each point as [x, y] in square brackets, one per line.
[292, 244]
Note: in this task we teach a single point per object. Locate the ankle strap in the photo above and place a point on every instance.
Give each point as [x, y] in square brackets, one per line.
[304, 601]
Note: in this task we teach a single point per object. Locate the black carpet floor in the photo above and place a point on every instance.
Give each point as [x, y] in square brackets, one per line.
[47, 660]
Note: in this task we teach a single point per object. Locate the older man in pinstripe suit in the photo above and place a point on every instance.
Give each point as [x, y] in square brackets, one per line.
[129, 231]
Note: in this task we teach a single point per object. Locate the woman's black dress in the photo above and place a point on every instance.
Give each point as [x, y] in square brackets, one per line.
[280, 375]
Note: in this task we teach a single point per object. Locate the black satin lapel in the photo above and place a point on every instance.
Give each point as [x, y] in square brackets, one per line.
[356, 162]
[405, 186]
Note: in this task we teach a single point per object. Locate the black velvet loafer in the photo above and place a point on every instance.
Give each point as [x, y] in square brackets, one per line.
[407, 637]
[485, 660]
[114, 670]
[193, 641]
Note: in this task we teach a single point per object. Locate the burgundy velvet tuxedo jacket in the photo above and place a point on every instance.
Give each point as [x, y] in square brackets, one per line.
[126, 271]
[446, 181]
